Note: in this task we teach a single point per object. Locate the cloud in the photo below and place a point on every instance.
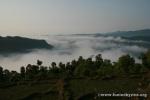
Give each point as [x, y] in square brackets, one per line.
[69, 47]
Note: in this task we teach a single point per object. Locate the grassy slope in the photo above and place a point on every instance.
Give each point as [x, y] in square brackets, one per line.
[25, 90]
[79, 87]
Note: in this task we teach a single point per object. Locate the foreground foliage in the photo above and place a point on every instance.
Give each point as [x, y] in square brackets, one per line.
[63, 81]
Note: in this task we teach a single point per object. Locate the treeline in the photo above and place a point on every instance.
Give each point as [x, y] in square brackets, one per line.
[81, 68]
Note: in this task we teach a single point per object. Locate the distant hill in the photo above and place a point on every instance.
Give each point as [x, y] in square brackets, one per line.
[133, 35]
[21, 45]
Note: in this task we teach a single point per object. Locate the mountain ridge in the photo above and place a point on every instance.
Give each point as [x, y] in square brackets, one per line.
[17, 44]
[126, 33]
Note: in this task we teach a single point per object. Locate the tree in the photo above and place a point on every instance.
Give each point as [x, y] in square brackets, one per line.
[29, 72]
[39, 63]
[55, 70]
[35, 69]
[126, 62]
[81, 70]
[62, 66]
[85, 68]
[14, 76]
[1, 73]
[146, 59]
[43, 73]
[80, 59]
[106, 69]
[98, 60]
[69, 69]
[6, 75]
[22, 71]
[53, 64]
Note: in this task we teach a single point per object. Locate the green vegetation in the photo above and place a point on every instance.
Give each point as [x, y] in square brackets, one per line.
[76, 80]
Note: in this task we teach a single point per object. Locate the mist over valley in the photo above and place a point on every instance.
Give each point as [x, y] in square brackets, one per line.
[69, 47]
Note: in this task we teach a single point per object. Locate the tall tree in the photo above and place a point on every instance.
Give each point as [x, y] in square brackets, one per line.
[146, 59]
[125, 62]
[22, 71]
[1, 73]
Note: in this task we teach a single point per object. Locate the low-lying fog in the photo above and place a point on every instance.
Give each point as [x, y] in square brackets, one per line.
[69, 47]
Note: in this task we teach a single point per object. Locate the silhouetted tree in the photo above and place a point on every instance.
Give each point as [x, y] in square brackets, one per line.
[85, 68]
[90, 67]
[62, 66]
[82, 68]
[146, 59]
[29, 74]
[35, 69]
[53, 64]
[6, 75]
[54, 69]
[43, 73]
[69, 69]
[1, 74]
[39, 63]
[98, 60]
[14, 76]
[80, 59]
[126, 62]
[22, 72]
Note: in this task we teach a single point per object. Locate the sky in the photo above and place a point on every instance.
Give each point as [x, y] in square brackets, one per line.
[72, 16]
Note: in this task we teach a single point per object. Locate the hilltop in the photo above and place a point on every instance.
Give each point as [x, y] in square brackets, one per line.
[16, 44]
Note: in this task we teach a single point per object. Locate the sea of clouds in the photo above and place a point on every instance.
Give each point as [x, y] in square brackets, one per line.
[69, 47]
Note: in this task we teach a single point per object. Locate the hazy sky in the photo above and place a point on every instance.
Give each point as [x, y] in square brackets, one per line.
[73, 16]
